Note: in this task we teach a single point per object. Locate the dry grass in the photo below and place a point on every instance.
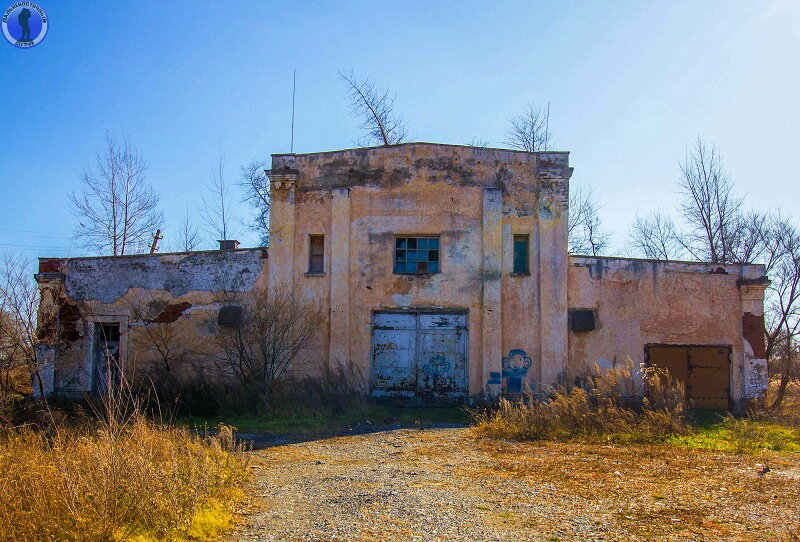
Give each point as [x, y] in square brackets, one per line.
[601, 408]
[121, 478]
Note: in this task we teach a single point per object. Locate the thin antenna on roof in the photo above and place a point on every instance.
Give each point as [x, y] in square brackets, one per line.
[294, 88]
[547, 129]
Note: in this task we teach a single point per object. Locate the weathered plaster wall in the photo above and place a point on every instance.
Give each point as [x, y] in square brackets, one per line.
[640, 302]
[178, 296]
[475, 199]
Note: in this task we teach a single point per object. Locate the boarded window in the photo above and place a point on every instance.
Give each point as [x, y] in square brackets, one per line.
[230, 316]
[521, 258]
[581, 320]
[316, 258]
[416, 255]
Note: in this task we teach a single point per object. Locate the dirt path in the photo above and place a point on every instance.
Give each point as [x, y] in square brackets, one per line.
[444, 484]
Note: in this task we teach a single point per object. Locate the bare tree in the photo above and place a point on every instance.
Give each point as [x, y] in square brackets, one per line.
[476, 142]
[711, 207]
[584, 229]
[375, 108]
[782, 303]
[117, 209]
[655, 237]
[259, 348]
[530, 131]
[188, 236]
[256, 194]
[19, 302]
[216, 212]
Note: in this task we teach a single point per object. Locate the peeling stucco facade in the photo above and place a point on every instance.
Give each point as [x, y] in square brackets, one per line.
[183, 291]
[514, 325]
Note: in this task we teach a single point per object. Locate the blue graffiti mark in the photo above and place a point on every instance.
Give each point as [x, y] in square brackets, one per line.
[494, 378]
[436, 366]
[516, 364]
[515, 367]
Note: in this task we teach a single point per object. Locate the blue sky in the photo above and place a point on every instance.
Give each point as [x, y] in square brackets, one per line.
[630, 85]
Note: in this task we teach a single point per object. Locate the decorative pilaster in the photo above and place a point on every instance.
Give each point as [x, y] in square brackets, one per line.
[491, 265]
[282, 182]
[339, 349]
[554, 174]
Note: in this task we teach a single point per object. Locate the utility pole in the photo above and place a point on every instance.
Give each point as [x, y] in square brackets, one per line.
[156, 238]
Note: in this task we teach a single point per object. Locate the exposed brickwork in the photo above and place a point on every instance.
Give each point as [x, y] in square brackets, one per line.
[171, 313]
[753, 330]
[50, 265]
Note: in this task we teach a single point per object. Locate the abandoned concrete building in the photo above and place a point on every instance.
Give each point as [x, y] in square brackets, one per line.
[443, 272]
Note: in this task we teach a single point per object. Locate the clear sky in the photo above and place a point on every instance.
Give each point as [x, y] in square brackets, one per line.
[630, 85]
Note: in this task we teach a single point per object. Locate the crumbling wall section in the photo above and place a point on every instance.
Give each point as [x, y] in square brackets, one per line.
[166, 306]
[641, 302]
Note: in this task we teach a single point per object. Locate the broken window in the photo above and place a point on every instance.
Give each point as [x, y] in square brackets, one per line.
[316, 254]
[521, 255]
[416, 255]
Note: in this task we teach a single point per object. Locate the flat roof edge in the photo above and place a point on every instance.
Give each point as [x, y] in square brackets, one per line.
[184, 253]
[421, 143]
[654, 260]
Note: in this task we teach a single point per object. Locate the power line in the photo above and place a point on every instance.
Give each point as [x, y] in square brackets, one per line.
[34, 247]
[35, 233]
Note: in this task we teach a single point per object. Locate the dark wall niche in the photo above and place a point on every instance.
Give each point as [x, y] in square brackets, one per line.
[581, 320]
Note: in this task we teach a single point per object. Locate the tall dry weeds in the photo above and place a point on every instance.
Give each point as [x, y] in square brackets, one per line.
[119, 477]
[605, 405]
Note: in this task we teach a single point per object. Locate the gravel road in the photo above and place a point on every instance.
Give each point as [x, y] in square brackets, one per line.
[446, 484]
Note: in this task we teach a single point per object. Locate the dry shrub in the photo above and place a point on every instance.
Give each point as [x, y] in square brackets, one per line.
[331, 390]
[122, 477]
[604, 406]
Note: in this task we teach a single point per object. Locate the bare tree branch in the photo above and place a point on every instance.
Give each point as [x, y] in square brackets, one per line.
[711, 208]
[476, 142]
[19, 302]
[117, 209]
[584, 230]
[530, 131]
[781, 253]
[188, 236]
[655, 237]
[375, 108]
[262, 347]
[216, 213]
[256, 194]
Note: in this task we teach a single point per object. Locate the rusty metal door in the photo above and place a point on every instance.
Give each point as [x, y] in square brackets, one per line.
[704, 370]
[419, 354]
[708, 384]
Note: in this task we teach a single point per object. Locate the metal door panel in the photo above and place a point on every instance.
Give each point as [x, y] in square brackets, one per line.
[442, 321]
[442, 361]
[709, 377]
[419, 354]
[393, 320]
[394, 359]
[704, 370]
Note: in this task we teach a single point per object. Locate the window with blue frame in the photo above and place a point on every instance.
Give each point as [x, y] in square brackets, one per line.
[416, 255]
